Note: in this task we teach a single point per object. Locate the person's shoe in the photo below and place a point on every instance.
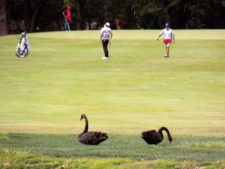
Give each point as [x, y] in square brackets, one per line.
[105, 58]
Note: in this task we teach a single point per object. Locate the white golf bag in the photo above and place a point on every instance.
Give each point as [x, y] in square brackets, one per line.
[23, 47]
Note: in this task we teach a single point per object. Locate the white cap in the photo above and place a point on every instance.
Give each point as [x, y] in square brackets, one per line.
[23, 33]
[107, 24]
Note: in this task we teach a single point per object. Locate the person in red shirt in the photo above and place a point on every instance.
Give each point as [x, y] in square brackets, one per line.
[67, 17]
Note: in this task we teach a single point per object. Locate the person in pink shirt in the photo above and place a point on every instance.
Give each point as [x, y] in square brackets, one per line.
[168, 38]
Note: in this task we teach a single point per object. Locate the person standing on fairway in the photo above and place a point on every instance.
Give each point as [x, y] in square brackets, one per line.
[105, 37]
[169, 37]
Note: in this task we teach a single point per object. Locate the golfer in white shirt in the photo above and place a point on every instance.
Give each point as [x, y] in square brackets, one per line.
[169, 37]
[105, 37]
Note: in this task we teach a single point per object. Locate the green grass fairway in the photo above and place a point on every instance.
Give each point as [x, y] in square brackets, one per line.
[137, 89]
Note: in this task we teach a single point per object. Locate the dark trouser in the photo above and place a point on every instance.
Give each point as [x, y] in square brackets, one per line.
[105, 47]
[66, 25]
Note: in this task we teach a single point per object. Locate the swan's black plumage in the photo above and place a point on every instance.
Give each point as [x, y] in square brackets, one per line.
[154, 137]
[91, 137]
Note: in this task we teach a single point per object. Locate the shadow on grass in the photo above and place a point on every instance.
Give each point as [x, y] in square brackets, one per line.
[128, 146]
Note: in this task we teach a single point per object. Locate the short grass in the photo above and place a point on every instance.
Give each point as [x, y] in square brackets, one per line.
[42, 97]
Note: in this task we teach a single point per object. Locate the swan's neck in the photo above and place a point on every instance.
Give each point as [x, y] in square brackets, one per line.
[166, 130]
[85, 128]
[86, 125]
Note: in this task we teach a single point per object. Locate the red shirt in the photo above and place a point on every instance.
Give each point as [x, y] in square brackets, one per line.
[68, 13]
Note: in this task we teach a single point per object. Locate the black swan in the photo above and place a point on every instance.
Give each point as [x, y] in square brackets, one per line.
[91, 137]
[154, 137]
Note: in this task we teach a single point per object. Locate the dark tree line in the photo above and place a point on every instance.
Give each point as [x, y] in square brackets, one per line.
[33, 15]
[46, 15]
[3, 18]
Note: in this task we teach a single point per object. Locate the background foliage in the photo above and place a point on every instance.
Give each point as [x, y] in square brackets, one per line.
[41, 15]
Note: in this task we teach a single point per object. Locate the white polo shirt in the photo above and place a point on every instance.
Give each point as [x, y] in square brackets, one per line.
[167, 33]
[105, 31]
